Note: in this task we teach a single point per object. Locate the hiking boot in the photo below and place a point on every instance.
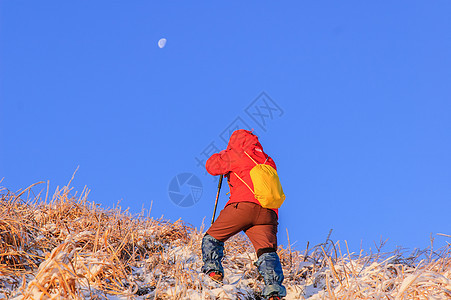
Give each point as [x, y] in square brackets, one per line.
[212, 254]
[270, 269]
[216, 276]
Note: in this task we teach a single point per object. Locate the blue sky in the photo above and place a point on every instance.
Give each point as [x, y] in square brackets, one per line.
[361, 131]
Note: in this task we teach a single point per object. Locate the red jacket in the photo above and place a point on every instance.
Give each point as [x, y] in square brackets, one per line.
[234, 160]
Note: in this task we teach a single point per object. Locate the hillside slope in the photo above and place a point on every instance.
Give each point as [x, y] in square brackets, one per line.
[68, 248]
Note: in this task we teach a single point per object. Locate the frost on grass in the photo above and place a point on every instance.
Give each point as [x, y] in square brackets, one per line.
[68, 248]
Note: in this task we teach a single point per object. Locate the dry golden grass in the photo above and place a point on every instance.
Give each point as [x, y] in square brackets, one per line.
[68, 248]
[66, 243]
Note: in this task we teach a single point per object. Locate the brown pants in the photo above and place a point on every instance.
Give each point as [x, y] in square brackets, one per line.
[258, 223]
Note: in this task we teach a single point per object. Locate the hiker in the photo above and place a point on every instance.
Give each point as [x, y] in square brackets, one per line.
[243, 212]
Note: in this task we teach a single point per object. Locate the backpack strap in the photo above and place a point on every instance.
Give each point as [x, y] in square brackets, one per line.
[251, 158]
[242, 178]
[244, 183]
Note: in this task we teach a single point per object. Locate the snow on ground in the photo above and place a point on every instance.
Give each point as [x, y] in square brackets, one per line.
[72, 249]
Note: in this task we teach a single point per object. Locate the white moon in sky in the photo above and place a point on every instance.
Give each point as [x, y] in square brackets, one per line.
[162, 42]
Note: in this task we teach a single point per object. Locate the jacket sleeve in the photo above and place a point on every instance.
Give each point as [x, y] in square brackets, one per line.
[218, 163]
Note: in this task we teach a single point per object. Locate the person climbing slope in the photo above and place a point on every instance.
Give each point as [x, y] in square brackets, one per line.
[246, 211]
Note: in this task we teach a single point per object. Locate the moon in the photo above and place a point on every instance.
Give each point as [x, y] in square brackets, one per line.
[162, 42]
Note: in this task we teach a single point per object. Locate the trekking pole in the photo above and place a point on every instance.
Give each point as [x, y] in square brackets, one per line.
[217, 197]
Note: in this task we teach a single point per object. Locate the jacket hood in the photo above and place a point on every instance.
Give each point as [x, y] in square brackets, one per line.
[243, 140]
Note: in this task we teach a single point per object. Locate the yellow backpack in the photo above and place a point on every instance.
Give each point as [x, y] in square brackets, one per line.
[267, 188]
